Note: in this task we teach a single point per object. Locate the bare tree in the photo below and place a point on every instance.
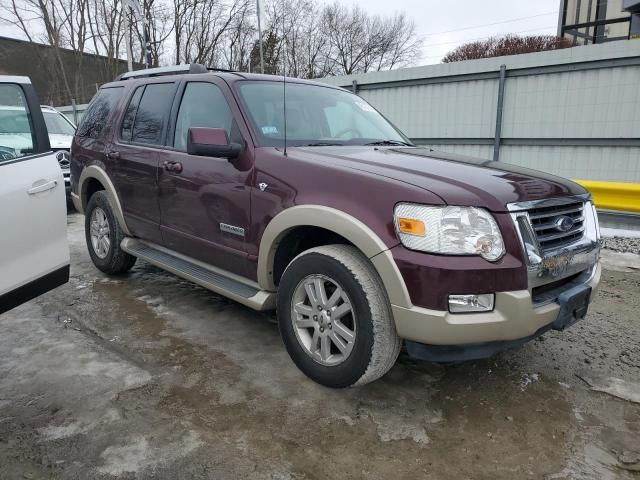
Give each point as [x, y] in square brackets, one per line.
[318, 40]
[312, 39]
[507, 45]
[200, 28]
[61, 24]
[239, 39]
[159, 24]
[360, 42]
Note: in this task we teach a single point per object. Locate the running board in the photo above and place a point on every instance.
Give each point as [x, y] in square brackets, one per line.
[225, 283]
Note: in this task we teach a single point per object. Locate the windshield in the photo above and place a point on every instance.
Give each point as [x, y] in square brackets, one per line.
[315, 116]
[58, 124]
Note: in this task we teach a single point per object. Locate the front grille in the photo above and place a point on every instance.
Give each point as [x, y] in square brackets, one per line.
[545, 222]
[63, 159]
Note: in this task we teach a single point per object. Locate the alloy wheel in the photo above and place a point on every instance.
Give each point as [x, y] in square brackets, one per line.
[100, 233]
[323, 319]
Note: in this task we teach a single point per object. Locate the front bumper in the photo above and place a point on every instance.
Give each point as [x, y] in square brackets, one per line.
[515, 319]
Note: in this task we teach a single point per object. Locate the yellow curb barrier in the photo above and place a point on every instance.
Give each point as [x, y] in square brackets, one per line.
[620, 196]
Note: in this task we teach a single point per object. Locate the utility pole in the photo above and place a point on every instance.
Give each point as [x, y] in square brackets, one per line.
[127, 36]
[133, 7]
[147, 44]
[260, 37]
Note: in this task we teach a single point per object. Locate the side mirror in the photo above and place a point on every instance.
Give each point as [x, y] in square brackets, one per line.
[211, 142]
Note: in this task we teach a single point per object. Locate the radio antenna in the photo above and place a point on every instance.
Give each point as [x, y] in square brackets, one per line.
[284, 75]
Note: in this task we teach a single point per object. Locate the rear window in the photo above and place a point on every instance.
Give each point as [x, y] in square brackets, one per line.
[98, 111]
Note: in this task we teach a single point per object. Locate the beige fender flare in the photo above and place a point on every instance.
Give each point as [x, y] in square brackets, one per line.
[93, 171]
[343, 224]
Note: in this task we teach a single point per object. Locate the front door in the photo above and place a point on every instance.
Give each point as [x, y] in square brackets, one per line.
[205, 201]
[34, 255]
[134, 157]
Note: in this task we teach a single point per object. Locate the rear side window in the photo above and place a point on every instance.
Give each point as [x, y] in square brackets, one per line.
[98, 111]
[150, 115]
[16, 132]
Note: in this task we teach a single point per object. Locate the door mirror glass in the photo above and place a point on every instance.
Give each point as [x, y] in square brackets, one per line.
[211, 142]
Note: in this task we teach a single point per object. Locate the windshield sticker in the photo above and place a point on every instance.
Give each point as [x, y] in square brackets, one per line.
[365, 107]
[269, 130]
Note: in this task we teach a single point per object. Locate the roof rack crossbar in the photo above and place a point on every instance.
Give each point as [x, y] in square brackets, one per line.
[216, 69]
[171, 70]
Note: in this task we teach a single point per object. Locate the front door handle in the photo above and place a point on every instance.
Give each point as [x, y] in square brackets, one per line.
[42, 187]
[113, 155]
[173, 166]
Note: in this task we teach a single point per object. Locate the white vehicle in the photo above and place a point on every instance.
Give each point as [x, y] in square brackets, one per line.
[61, 131]
[34, 254]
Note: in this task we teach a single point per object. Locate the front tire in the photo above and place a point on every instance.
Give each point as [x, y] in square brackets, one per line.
[103, 235]
[335, 318]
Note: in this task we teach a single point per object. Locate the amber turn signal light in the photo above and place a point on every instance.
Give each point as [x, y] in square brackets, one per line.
[411, 226]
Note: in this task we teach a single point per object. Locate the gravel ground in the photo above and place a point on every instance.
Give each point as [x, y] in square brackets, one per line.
[146, 376]
[623, 245]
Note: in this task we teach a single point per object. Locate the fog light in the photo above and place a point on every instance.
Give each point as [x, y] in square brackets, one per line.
[471, 303]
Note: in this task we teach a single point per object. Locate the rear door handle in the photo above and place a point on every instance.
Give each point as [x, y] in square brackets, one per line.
[42, 187]
[172, 166]
[113, 155]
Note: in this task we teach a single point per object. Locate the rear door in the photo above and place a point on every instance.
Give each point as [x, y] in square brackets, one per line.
[34, 255]
[135, 156]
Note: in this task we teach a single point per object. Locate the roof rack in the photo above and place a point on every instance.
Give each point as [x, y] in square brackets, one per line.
[171, 70]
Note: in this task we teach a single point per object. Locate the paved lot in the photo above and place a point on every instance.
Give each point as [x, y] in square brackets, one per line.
[147, 376]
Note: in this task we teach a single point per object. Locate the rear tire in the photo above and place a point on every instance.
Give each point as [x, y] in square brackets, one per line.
[334, 292]
[103, 235]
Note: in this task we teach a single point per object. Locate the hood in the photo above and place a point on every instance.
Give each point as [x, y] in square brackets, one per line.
[457, 179]
[59, 141]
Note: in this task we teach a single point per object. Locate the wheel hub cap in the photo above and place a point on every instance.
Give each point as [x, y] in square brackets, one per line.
[323, 319]
[100, 233]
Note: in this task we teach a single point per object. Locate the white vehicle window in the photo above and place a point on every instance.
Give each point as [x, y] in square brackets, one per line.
[16, 131]
[57, 124]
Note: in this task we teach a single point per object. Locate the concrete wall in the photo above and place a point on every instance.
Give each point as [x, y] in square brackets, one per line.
[572, 112]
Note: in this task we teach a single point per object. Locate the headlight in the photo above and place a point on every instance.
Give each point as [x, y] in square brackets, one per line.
[449, 230]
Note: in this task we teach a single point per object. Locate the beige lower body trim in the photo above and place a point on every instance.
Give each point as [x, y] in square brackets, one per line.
[94, 171]
[341, 223]
[514, 317]
[77, 203]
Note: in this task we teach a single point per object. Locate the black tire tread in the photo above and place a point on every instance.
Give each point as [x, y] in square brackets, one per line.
[386, 343]
[117, 261]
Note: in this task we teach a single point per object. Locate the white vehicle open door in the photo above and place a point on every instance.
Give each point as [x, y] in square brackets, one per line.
[34, 254]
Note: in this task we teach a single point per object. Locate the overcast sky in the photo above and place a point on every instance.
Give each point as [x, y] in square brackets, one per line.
[441, 22]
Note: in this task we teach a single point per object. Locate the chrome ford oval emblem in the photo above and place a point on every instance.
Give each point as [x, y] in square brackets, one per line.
[564, 223]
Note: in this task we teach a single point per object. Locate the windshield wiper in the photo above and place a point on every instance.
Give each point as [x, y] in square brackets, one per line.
[390, 142]
[323, 144]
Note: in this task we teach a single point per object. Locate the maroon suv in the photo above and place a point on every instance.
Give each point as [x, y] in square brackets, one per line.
[329, 214]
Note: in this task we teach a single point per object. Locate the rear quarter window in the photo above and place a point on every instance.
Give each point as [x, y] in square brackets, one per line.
[95, 117]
